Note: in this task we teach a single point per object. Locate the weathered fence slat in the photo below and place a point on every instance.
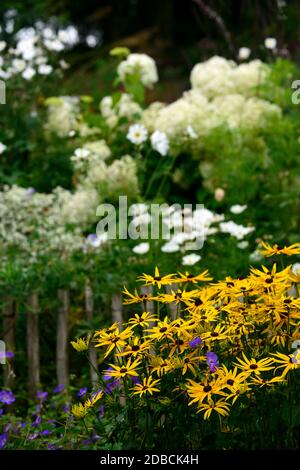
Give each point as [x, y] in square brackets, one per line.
[89, 309]
[9, 320]
[62, 338]
[117, 309]
[33, 347]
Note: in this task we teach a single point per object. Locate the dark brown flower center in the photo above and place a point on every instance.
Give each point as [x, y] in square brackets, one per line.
[123, 370]
[157, 278]
[163, 329]
[180, 342]
[214, 334]
[207, 388]
[253, 366]
[198, 302]
[135, 347]
[230, 382]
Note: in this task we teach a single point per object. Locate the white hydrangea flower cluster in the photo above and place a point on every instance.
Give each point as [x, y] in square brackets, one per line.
[90, 155]
[120, 177]
[79, 207]
[222, 94]
[219, 76]
[183, 227]
[62, 115]
[32, 224]
[189, 118]
[125, 107]
[141, 65]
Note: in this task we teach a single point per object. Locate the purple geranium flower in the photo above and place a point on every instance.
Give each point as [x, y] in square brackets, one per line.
[135, 380]
[107, 377]
[7, 397]
[66, 408]
[9, 354]
[212, 361]
[1, 411]
[195, 342]
[82, 392]
[33, 436]
[46, 432]
[111, 386]
[52, 447]
[37, 421]
[59, 388]
[3, 440]
[8, 427]
[101, 411]
[6, 355]
[41, 396]
[111, 383]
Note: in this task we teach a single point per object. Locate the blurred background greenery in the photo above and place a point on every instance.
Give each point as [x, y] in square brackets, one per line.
[176, 33]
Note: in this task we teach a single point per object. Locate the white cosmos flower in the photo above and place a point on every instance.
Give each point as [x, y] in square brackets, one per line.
[28, 73]
[270, 43]
[160, 142]
[91, 40]
[237, 209]
[244, 53]
[190, 260]
[235, 230]
[141, 248]
[170, 247]
[191, 133]
[137, 134]
[2, 148]
[18, 64]
[45, 69]
[81, 153]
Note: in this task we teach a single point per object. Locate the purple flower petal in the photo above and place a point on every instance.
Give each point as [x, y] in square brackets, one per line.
[195, 342]
[3, 440]
[7, 397]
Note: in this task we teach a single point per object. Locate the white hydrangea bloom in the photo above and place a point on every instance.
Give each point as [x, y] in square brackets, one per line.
[63, 115]
[140, 64]
[218, 76]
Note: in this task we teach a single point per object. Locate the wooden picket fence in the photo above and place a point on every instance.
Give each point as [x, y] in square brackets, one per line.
[62, 337]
